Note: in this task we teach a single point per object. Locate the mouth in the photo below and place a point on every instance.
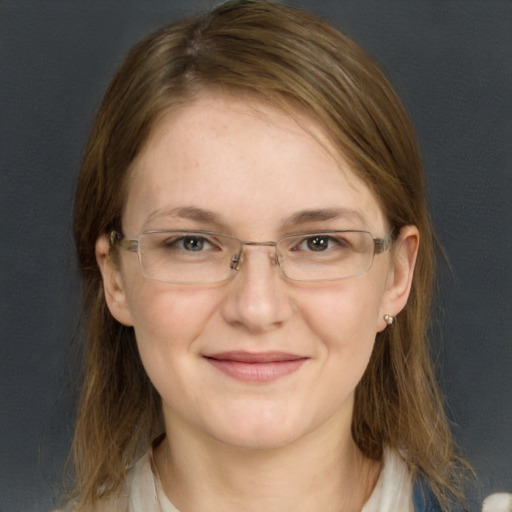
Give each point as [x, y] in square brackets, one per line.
[259, 367]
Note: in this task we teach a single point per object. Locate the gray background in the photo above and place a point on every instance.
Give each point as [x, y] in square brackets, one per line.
[451, 64]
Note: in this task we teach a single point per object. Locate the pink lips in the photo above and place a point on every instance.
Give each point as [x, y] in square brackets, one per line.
[256, 367]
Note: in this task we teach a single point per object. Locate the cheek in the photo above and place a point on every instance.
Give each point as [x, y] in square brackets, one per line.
[345, 317]
[358, 298]
[167, 321]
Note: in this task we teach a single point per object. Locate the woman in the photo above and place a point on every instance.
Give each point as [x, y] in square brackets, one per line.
[257, 262]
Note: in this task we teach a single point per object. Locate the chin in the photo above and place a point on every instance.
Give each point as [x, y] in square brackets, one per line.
[261, 441]
[258, 431]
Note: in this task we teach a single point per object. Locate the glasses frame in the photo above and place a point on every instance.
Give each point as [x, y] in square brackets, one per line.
[133, 245]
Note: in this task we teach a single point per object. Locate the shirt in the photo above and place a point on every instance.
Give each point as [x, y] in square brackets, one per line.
[142, 490]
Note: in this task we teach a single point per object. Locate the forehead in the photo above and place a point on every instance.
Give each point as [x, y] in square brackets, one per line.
[242, 160]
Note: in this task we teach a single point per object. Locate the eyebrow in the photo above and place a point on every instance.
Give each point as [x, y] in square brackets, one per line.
[319, 215]
[187, 212]
[201, 215]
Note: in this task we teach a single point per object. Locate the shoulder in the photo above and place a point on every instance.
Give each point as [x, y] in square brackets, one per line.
[394, 487]
[119, 501]
[425, 501]
[423, 498]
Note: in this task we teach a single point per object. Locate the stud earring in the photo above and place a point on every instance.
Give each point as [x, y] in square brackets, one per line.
[389, 319]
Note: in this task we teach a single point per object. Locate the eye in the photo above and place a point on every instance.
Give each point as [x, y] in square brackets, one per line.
[193, 243]
[318, 243]
[321, 243]
[190, 243]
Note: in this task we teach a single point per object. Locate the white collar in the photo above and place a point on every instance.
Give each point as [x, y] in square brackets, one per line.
[392, 493]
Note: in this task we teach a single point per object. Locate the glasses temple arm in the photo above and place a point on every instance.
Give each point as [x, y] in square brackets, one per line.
[383, 244]
[117, 239]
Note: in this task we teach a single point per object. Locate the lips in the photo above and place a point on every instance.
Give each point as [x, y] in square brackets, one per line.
[256, 367]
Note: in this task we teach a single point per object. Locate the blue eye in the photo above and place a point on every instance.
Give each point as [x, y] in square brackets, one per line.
[189, 243]
[192, 243]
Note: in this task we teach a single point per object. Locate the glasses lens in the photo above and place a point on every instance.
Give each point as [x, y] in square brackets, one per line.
[187, 257]
[326, 256]
[203, 257]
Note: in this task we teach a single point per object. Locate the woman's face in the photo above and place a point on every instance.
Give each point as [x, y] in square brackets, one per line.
[259, 360]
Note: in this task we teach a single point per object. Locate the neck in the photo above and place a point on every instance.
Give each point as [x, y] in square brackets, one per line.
[307, 475]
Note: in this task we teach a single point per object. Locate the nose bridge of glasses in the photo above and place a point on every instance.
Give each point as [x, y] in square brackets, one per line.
[237, 259]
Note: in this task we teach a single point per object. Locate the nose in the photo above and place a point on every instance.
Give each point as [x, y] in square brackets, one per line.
[257, 299]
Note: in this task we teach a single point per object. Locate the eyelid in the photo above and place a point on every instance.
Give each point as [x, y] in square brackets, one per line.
[328, 236]
[209, 235]
[207, 239]
[321, 232]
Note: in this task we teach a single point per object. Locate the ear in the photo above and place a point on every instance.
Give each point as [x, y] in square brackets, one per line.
[113, 288]
[399, 282]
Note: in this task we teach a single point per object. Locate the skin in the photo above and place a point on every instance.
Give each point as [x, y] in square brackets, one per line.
[230, 444]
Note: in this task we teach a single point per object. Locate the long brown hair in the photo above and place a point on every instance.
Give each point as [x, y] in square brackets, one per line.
[292, 60]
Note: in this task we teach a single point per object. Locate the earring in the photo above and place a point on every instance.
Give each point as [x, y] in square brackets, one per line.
[389, 319]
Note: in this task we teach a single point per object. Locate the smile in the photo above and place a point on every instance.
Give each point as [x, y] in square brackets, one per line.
[256, 367]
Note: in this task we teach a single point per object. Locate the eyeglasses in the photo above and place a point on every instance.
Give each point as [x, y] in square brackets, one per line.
[193, 257]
